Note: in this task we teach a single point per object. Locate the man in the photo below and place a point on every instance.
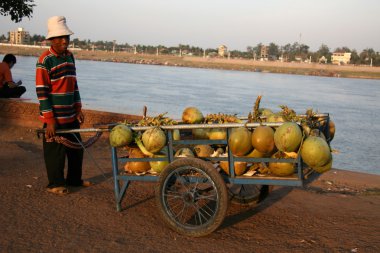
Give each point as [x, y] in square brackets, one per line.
[8, 88]
[60, 108]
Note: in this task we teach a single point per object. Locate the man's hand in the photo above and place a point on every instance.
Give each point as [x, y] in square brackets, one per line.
[50, 130]
[12, 85]
[80, 117]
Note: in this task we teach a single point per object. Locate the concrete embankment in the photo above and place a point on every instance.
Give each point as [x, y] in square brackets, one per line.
[21, 113]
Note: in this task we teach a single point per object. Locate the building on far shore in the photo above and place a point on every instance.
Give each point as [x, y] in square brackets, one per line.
[340, 58]
[264, 50]
[19, 36]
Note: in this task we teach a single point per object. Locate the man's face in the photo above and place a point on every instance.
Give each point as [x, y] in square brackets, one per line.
[60, 44]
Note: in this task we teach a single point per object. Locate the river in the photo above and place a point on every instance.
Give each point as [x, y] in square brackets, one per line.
[353, 104]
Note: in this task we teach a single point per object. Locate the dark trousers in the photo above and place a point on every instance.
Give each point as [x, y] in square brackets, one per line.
[55, 155]
[16, 92]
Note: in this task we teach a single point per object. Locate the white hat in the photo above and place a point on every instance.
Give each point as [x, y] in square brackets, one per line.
[57, 27]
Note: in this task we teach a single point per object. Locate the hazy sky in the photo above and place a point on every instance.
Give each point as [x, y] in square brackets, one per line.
[210, 23]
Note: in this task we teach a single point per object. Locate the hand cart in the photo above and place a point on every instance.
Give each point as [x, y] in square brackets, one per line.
[192, 194]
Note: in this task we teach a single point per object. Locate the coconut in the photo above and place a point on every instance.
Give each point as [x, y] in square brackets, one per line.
[176, 135]
[288, 137]
[331, 129]
[239, 141]
[325, 167]
[203, 150]
[263, 139]
[192, 115]
[120, 135]
[199, 133]
[239, 167]
[306, 129]
[136, 167]
[317, 132]
[257, 154]
[275, 118]
[184, 152]
[217, 134]
[281, 169]
[154, 139]
[265, 112]
[158, 166]
[315, 152]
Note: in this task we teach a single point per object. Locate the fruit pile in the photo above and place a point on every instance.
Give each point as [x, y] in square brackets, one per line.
[293, 135]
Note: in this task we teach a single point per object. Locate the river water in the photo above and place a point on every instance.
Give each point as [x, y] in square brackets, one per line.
[353, 104]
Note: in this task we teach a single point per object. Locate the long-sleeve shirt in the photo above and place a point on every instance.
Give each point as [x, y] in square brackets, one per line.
[57, 88]
[5, 74]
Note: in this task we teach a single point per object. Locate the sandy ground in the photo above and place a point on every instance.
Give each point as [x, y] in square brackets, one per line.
[338, 212]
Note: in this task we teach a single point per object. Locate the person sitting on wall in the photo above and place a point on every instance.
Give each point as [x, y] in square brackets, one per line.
[8, 88]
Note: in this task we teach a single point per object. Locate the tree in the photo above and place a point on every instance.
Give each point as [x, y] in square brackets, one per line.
[355, 58]
[273, 50]
[17, 9]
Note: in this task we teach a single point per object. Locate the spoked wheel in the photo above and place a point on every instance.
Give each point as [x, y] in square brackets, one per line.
[192, 197]
[247, 194]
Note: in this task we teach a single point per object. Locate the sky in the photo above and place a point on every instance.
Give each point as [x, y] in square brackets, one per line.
[209, 23]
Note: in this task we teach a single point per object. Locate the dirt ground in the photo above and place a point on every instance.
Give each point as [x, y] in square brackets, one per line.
[337, 212]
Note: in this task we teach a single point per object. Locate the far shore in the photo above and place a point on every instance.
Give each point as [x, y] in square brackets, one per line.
[312, 69]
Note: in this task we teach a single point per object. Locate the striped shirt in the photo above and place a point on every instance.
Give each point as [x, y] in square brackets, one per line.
[57, 88]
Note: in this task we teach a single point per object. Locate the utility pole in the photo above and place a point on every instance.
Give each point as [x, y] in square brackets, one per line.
[113, 48]
[157, 51]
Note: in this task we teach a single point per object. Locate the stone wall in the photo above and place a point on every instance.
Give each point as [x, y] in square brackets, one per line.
[22, 113]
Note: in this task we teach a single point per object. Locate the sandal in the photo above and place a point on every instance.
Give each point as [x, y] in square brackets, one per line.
[87, 183]
[60, 190]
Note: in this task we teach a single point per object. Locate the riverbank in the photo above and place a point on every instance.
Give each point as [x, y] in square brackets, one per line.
[313, 69]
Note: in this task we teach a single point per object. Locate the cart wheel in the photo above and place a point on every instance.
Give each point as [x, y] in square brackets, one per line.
[192, 197]
[248, 194]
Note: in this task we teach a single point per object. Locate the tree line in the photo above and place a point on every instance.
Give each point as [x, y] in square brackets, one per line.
[288, 52]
